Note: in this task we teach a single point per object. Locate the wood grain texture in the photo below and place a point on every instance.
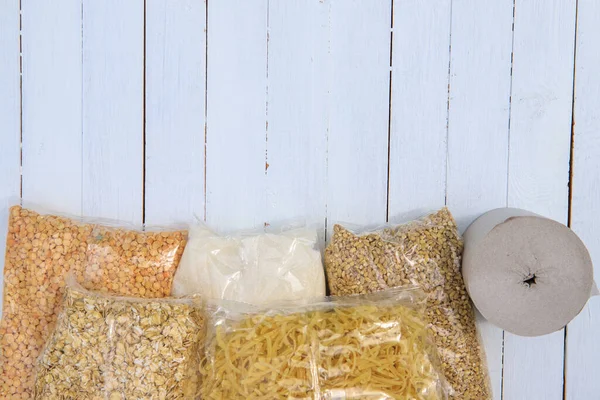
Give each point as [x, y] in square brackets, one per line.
[175, 90]
[478, 128]
[583, 346]
[113, 60]
[52, 82]
[479, 108]
[236, 115]
[10, 121]
[540, 137]
[359, 75]
[297, 111]
[419, 104]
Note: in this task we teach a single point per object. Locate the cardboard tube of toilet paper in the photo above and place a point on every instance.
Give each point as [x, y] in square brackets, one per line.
[527, 274]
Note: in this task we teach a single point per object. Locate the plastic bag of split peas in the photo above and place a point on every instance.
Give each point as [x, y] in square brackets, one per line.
[374, 346]
[41, 249]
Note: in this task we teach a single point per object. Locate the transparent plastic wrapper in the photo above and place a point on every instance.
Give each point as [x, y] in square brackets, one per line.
[357, 347]
[132, 262]
[41, 250]
[122, 348]
[426, 253]
[255, 268]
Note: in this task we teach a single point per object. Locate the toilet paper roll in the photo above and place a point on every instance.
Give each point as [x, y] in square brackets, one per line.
[525, 273]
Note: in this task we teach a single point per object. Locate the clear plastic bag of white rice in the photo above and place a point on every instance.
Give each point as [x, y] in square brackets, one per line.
[251, 267]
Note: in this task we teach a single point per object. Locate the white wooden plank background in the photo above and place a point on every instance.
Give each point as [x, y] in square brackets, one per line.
[10, 114]
[358, 111]
[538, 170]
[113, 119]
[296, 134]
[247, 113]
[175, 110]
[480, 78]
[52, 104]
[419, 106]
[236, 114]
[583, 344]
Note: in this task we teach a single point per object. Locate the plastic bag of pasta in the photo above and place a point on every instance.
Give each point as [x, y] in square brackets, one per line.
[426, 253]
[356, 347]
[41, 249]
[251, 267]
[122, 348]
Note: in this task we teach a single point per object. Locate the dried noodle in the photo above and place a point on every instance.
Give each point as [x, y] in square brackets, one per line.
[323, 351]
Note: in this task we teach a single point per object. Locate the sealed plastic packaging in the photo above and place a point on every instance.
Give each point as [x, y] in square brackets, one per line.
[41, 250]
[122, 348]
[426, 253]
[255, 268]
[357, 347]
[132, 262]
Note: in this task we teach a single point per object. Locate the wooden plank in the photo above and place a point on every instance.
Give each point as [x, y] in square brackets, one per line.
[479, 108]
[583, 346]
[540, 137]
[478, 128]
[236, 114]
[10, 118]
[297, 110]
[113, 59]
[52, 82]
[419, 100]
[175, 90]
[359, 76]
